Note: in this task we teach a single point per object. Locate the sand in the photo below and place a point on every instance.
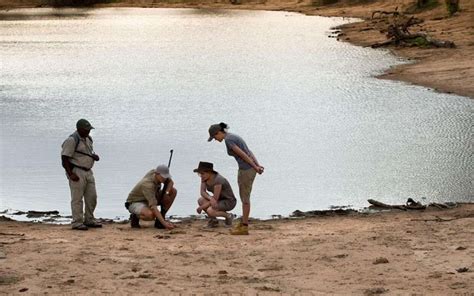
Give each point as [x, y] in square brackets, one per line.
[444, 70]
[396, 253]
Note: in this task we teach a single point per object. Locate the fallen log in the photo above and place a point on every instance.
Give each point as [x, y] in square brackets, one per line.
[398, 34]
[384, 13]
[382, 205]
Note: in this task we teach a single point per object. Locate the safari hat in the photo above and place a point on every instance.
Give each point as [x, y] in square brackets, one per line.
[204, 167]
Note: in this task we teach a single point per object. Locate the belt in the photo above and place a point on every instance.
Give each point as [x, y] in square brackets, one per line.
[81, 168]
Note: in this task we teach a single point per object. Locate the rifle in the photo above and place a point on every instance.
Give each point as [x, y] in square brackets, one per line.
[161, 193]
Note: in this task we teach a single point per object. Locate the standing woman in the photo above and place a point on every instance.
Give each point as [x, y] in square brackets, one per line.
[248, 169]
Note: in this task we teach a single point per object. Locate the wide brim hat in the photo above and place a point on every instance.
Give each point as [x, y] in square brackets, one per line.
[205, 167]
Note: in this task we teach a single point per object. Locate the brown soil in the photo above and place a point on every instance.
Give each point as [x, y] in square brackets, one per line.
[402, 253]
[446, 70]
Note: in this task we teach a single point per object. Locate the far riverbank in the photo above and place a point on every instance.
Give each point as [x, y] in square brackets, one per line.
[445, 70]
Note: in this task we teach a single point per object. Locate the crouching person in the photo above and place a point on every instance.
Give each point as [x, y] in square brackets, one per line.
[147, 195]
[222, 199]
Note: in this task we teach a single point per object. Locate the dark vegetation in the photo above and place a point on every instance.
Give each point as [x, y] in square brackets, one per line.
[75, 3]
[329, 2]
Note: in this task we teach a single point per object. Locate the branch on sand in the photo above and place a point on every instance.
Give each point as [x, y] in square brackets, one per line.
[398, 34]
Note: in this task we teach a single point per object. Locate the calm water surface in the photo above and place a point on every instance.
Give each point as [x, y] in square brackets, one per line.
[151, 80]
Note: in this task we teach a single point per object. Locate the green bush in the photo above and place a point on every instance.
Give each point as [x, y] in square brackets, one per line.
[452, 6]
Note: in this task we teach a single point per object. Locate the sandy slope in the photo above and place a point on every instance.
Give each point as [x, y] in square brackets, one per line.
[329, 255]
[447, 70]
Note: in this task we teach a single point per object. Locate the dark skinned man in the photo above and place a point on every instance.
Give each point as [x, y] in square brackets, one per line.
[78, 158]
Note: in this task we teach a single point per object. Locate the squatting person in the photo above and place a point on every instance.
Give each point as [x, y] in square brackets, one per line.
[147, 195]
[222, 199]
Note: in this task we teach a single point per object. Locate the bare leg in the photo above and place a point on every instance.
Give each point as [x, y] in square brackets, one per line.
[245, 213]
[147, 215]
[216, 213]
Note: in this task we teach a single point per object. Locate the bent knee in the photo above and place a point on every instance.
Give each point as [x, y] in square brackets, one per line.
[173, 192]
[146, 214]
[211, 212]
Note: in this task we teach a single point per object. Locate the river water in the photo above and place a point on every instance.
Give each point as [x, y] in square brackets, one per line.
[151, 80]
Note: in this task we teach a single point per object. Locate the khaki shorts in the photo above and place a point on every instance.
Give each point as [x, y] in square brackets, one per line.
[226, 204]
[245, 180]
[137, 207]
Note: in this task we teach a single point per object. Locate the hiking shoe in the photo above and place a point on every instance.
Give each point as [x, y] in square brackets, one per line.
[229, 219]
[159, 225]
[93, 225]
[80, 227]
[212, 223]
[134, 221]
[240, 230]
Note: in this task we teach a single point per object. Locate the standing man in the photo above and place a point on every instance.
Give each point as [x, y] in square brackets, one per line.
[78, 158]
[143, 200]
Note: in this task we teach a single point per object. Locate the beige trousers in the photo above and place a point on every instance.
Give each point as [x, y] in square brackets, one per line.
[84, 188]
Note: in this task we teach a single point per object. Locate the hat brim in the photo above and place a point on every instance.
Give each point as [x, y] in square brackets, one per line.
[166, 176]
[210, 138]
[204, 171]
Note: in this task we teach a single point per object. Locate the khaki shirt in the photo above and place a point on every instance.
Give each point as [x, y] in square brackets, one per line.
[78, 159]
[145, 190]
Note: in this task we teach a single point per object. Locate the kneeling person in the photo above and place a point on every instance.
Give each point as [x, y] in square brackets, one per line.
[222, 200]
[146, 196]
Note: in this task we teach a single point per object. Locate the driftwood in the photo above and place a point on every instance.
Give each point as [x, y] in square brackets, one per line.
[383, 12]
[398, 34]
[410, 205]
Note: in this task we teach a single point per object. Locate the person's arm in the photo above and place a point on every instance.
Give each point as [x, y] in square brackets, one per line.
[239, 152]
[204, 193]
[160, 218]
[169, 186]
[216, 196]
[148, 191]
[67, 166]
[68, 149]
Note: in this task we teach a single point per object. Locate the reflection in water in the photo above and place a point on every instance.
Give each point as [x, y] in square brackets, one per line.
[44, 14]
[151, 80]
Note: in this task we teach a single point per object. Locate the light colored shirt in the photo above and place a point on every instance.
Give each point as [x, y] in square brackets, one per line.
[145, 190]
[78, 159]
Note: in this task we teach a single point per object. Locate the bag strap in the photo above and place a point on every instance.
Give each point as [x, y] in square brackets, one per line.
[77, 140]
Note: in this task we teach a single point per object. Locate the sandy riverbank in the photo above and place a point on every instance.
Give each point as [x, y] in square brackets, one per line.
[446, 70]
[397, 253]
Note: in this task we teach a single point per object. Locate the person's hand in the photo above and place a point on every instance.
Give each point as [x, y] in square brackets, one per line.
[213, 203]
[73, 177]
[169, 225]
[260, 169]
[199, 210]
[95, 157]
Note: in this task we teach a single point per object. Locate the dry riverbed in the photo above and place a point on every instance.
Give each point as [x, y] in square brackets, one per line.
[399, 252]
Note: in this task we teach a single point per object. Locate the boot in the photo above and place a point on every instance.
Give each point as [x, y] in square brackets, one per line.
[159, 225]
[134, 221]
